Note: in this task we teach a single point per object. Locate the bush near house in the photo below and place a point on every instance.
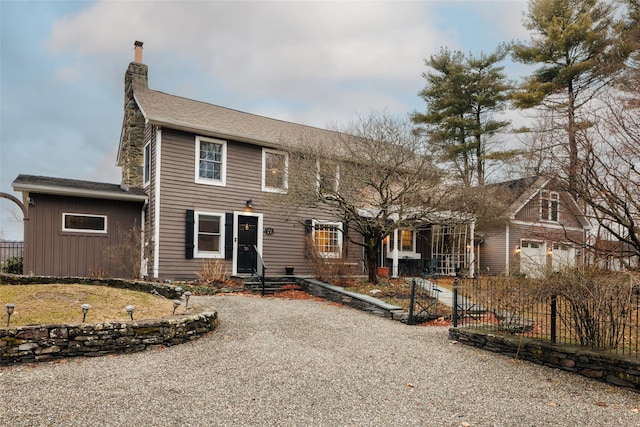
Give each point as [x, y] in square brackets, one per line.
[12, 265]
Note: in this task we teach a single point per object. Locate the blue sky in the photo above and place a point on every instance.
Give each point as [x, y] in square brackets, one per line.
[319, 63]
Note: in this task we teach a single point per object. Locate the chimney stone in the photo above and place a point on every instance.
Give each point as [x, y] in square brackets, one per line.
[133, 124]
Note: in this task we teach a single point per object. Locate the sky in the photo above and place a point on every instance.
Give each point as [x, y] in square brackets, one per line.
[62, 67]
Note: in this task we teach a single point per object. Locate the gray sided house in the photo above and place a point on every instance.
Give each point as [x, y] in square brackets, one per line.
[546, 231]
[197, 179]
[74, 228]
[208, 172]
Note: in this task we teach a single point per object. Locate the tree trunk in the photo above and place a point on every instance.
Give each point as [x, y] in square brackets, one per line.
[371, 259]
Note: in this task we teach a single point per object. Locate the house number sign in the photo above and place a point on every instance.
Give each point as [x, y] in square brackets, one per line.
[268, 231]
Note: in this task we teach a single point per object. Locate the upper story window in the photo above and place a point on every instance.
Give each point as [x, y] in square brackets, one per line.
[327, 238]
[549, 202]
[328, 176]
[84, 223]
[209, 235]
[147, 163]
[211, 159]
[274, 171]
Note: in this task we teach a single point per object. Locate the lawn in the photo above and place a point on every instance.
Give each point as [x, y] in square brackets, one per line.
[53, 304]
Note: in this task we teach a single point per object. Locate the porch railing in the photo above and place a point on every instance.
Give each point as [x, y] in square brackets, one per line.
[261, 268]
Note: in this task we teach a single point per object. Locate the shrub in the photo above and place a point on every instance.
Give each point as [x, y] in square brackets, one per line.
[12, 265]
[331, 270]
[213, 273]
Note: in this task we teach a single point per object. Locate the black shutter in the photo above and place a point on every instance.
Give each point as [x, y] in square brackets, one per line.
[308, 226]
[188, 234]
[228, 235]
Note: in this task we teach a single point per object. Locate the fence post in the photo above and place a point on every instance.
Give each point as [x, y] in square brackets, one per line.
[411, 301]
[455, 303]
[554, 315]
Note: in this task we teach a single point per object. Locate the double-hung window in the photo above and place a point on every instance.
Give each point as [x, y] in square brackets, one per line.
[274, 171]
[328, 176]
[209, 239]
[327, 238]
[211, 158]
[549, 202]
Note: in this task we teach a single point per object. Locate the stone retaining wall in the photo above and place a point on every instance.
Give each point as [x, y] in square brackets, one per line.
[614, 369]
[26, 344]
[353, 299]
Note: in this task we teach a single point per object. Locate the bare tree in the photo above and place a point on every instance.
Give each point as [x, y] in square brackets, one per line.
[373, 176]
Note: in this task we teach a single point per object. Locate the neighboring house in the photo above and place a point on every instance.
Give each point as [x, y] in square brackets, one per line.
[196, 178]
[546, 230]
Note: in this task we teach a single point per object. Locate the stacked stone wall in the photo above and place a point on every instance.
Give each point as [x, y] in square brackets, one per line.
[27, 344]
[620, 370]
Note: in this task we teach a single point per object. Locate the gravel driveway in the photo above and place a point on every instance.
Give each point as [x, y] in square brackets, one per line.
[283, 362]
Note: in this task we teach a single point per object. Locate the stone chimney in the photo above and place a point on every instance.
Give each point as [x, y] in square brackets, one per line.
[132, 144]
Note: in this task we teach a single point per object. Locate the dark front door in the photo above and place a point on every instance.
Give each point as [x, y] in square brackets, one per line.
[247, 239]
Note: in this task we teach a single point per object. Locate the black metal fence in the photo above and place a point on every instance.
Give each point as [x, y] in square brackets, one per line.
[600, 312]
[10, 250]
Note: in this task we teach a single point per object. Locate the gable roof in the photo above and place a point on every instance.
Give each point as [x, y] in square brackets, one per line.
[77, 188]
[519, 192]
[162, 109]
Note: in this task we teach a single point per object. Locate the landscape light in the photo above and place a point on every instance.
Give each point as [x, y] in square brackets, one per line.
[179, 291]
[187, 295]
[85, 310]
[176, 303]
[129, 309]
[10, 308]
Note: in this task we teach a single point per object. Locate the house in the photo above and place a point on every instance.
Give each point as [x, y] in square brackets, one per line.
[545, 230]
[196, 181]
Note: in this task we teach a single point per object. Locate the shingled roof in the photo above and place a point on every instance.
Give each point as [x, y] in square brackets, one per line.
[77, 188]
[180, 113]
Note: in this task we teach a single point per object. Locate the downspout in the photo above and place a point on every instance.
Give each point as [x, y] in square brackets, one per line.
[156, 208]
[506, 252]
[472, 246]
[143, 259]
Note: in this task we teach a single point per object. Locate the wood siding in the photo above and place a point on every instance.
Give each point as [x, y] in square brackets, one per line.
[179, 192]
[51, 251]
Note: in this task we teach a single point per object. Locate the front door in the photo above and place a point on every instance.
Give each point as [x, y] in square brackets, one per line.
[246, 260]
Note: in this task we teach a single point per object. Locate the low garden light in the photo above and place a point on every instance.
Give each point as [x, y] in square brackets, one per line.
[85, 310]
[129, 309]
[10, 307]
[187, 295]
[179, 291]
[176, 303]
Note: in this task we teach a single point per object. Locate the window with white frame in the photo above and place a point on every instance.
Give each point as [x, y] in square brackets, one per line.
[274, 171]
[147, 163]
[406, 241]
[327, 238]
[209, 239]
[328, 176]
[84, 223]
[549, 202]
[211, 158]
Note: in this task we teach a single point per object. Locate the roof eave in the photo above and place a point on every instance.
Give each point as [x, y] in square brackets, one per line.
[79, 192]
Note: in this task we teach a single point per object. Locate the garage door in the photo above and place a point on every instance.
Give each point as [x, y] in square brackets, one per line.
[564, 256]
[533, 258]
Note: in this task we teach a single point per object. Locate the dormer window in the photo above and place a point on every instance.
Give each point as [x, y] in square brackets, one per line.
[549, 202]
